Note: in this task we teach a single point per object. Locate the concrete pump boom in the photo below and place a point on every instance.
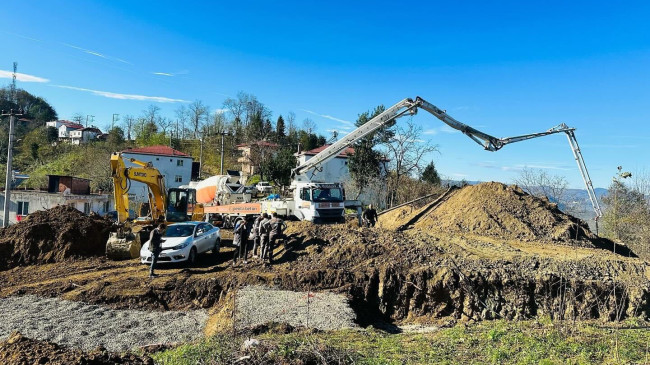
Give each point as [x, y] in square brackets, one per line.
[410, 107]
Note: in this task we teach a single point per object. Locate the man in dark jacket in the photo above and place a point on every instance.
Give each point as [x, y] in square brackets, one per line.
[155, 246]
[370, 216]
[277, 232]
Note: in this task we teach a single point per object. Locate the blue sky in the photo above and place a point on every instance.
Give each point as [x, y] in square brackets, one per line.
[507, 68]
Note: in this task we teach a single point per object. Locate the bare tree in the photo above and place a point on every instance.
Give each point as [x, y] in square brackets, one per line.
[151, 114]
[235, 106]
[182, 118]
[78, 118]
[198, 113]
[246, 106]
[542, 184]
[165, 124]
[405, 152]
[291, 123]
[129, 122]
[219, 122]
[309, 125]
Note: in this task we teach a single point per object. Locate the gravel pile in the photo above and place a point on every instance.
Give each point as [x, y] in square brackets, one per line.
[258, 305]
[85, 326]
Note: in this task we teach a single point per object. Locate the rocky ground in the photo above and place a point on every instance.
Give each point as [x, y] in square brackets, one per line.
[18, 349]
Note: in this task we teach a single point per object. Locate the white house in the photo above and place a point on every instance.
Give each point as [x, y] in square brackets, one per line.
[80, 136]
[334, 170]
[175, 166]
[65, 127]
[62, 190]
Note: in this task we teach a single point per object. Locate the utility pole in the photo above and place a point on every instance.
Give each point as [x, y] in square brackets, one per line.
[91, 120]
[222, 134]
[115, 119]
[201, 158]
[8, 179]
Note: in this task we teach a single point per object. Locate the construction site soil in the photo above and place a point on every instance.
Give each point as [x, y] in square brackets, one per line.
[483, 252]
[53, 235]
[18, 349]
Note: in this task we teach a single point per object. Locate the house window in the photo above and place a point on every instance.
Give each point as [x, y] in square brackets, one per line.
[178, 178]
[86, 208]
[107, 206]
[23, 208]
[179, 162]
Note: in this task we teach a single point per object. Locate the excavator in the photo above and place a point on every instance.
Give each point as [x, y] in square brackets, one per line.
[165, 206]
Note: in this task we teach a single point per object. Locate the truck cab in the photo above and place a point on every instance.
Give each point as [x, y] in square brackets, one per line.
[319, 202]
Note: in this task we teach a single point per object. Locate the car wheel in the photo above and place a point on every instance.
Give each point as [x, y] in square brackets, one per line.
[191, 259]
[217, 246]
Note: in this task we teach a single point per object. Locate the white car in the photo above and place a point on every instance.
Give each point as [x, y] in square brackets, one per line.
[184, 241]
[264, 187]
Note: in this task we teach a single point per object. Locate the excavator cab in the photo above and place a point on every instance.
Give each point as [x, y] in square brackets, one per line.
[181, 205]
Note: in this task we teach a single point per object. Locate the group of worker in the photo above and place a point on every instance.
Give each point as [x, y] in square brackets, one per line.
[265, 231]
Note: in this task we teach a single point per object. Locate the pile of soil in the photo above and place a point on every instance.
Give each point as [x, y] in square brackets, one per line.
[18, 349]
[496, 210]
[53, 235]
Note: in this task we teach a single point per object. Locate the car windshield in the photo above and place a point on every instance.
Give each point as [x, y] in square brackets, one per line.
[327, 195]
[180, 230]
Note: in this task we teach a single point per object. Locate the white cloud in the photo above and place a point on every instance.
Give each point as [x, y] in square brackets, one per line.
[112, 95]
[519, 167]
[95, 53]
[171, 74]
[347, 122]
[444, 129]
[447, 129]
[22, 77]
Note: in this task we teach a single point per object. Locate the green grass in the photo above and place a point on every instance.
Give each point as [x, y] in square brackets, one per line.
[495, 342]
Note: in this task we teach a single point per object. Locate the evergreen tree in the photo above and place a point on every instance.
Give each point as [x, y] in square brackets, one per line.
[430, 174]
[280, 130]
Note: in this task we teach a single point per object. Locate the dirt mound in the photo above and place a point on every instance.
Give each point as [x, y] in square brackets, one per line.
[497, 210]
[18, 349]
[409, 277]
[396, 217]
[52, 236]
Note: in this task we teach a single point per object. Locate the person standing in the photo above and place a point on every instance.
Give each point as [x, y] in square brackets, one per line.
[238, 239]
[370, 216]
[256, 234]
[277, 232]
[265, 231]
[155, 246]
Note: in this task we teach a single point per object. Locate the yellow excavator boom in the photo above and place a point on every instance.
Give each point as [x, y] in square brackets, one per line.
[144, 173]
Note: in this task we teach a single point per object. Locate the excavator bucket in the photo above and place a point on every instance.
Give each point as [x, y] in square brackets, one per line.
[126, 243]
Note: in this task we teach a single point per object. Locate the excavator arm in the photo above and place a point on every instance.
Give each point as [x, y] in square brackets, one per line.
[488, 142]
[144, 173]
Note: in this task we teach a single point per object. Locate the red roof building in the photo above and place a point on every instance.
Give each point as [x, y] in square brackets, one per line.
[157, 150]
[349, 151]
